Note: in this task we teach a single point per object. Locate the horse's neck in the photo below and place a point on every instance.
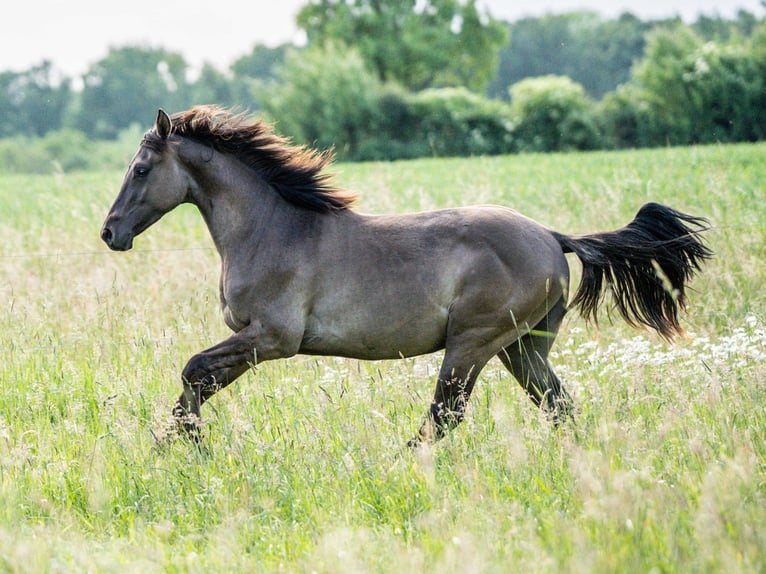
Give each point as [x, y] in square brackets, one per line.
[235, 203]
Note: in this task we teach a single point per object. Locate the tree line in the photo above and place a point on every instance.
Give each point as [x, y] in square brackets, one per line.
[406, 78]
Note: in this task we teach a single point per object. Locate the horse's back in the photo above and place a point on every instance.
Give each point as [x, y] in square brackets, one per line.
[512, 244]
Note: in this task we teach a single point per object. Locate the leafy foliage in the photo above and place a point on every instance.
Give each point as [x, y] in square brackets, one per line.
[690, 91]
[594, 53]
[326, 97]
[128, 86]
[33, 102]
[64, 151]
[553, 113]
[419, 44]
[403, 79]
[443, 123]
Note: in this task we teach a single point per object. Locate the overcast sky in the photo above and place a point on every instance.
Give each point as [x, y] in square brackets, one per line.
[73, 34]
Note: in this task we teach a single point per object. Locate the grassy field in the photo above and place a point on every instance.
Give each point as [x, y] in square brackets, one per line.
[305, 468]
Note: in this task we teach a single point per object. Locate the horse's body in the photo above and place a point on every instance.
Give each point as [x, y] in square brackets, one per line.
[302, 273]
[383, 287]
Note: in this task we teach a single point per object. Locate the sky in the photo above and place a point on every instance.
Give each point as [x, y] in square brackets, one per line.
[74, 34]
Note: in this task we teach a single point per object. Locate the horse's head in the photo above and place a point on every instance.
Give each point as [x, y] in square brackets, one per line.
[154, 184]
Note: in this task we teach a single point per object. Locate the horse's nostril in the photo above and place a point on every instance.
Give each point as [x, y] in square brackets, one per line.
[106, 235]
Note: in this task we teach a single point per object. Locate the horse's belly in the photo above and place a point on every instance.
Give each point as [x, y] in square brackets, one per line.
[387, 337]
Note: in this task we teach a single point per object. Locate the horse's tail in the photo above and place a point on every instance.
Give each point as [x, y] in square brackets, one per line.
[645, 264]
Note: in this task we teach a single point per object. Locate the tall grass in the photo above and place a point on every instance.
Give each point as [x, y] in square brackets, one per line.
[304, 467]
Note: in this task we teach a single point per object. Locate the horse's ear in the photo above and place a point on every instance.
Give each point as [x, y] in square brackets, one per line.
[163, 125]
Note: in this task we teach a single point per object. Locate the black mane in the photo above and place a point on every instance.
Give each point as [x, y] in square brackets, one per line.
[295, 172]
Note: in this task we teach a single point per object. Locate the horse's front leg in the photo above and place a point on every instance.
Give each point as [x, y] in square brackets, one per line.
[211, 370]
[208, 372]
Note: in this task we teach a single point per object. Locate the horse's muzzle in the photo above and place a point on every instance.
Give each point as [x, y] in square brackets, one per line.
[113, 240]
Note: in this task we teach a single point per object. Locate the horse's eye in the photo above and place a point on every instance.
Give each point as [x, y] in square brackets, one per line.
[140, 171]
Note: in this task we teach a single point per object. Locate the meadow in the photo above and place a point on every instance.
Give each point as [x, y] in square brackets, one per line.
[304, 467]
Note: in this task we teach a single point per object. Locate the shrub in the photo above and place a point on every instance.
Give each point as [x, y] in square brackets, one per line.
[457, 122]
[70, 150]
[328, 98]
[395, 131]
[553, 113]
[625, 115]
[439, 122]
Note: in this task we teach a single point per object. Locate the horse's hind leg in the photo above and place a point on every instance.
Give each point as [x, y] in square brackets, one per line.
[457, 376]
[527, 360]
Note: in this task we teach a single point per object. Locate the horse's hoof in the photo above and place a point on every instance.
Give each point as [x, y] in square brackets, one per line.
[414, 442]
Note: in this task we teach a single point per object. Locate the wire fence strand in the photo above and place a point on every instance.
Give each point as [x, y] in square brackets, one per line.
[99, 252]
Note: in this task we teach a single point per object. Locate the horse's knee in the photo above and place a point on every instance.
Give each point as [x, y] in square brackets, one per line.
[195, 369]
[200, 372]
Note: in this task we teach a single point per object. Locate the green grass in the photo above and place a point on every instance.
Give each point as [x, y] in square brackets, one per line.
[305, 469]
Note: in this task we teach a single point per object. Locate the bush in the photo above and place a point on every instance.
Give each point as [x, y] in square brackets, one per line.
[456, 122]
[552, 113]
[328, 98]
[394, 131]
[625, 116]
[70, 150]
[443, 123]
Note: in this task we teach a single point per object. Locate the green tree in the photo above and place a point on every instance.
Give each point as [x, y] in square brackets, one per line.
[719, 29]
[254, 70]
[758, 52]
[33, 102]
[128, 86]
[261, 63]
[687, 91]
[213, 87]
[417, 43]
[604, 53]
[535, 49]
[726, 87]
[701, 92]
[326, 97]
[662, 86]
[595, 53]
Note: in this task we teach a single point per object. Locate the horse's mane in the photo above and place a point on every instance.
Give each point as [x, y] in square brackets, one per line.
[295, 172]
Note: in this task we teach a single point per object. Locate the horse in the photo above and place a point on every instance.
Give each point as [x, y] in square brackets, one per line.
[303, 272]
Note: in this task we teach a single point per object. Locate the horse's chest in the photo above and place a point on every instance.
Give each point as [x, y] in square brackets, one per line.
[234, 320]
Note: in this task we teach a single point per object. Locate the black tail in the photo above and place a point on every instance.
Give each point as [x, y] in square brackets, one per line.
[646, 265]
